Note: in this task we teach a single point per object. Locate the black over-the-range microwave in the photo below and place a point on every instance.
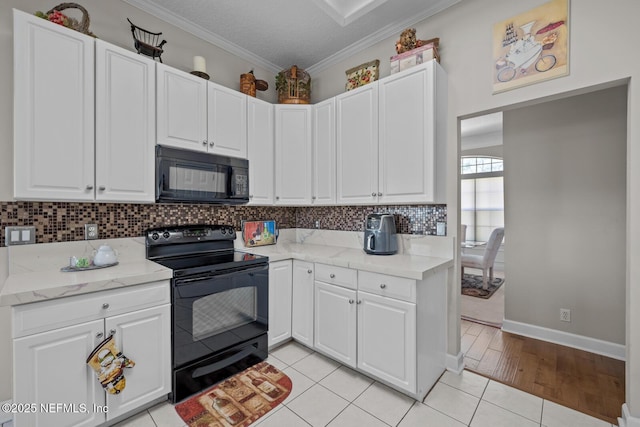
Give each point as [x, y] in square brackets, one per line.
[196, 177]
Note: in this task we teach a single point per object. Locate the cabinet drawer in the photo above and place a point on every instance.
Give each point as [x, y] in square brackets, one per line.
[337, 275]
[48, 315]
[387, 286]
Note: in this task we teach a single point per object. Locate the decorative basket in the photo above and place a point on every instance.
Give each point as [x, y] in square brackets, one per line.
[82, 25]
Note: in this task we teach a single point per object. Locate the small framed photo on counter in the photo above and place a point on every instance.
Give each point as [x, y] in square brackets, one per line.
[259, 233]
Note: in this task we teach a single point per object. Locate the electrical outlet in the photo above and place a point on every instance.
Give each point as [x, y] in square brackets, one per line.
[565, 315]
[90, 231]
[317, 223]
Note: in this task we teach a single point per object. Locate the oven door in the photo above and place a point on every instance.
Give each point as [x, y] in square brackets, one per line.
[215, 312]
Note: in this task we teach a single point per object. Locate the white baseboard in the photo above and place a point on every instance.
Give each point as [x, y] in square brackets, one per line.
[455, 363]
[593, 345]
[627, 420]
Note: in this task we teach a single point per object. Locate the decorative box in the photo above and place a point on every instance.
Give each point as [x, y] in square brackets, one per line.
[413, 57]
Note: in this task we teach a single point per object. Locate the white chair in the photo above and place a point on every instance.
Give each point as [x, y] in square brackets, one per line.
[485, 261]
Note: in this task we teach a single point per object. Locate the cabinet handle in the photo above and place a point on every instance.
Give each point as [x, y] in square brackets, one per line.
[211, 144]
[332, 275]
[89, 187]
[251, 196]
[379, 194]
[105, 306]
[382, 286]
[351, 301]
[99, 335]
[102, 188]
[373, 194]
[309, 271]
[204, 142]
[359, 301]
[112, 332]
[277, 197]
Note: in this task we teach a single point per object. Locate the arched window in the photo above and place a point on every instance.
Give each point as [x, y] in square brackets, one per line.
[481, 196]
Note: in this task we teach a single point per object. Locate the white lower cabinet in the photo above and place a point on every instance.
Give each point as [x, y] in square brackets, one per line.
[335, 322]
[280, 280]
[387, 339]
[52, 340]
[302, 303]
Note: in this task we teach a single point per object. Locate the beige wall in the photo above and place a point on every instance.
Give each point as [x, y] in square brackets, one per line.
[595, 62]
[565, 172]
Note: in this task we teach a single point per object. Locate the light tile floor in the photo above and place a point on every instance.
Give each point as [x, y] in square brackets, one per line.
[326, 393]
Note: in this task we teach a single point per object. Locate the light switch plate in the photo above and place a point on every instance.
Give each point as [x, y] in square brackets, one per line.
[19, 236]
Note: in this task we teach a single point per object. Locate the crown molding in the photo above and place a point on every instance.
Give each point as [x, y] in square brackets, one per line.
[382, 34]
[201, 33]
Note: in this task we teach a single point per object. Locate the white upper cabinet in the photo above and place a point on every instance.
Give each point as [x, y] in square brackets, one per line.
[227, 121]
[181, 109]
[293, 164]
[125, 125]
[196, 114]
[53, 111]
[260, 146]
[407, 136]
[357, 145]
[391, 140]
[324, 153]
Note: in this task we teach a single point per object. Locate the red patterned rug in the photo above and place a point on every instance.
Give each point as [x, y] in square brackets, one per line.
[238, 401]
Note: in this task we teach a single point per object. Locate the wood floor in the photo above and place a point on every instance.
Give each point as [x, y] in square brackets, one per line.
[580, 380]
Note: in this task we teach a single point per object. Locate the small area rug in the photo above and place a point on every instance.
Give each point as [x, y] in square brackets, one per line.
[472, 286]
[237, 401]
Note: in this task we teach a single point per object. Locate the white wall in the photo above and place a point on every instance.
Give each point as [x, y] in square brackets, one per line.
[565, 173]
[465, 32]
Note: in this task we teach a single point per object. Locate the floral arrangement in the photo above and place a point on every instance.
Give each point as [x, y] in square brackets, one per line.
[59, 18]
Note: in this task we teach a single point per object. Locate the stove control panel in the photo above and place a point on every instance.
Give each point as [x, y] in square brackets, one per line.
[189, 233]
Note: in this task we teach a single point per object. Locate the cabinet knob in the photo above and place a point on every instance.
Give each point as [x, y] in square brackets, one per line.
[105, 306]
[309, 271]
[373, 194]
[102, 188]
[99, 335]
[379, 194]
[277, 197]
[359, 301]
[89, 187]
[332, 275]
[204, 143]
[351, 301]
[112, 332]
[211, 144]
[382, 286]
[251, 196]
[313, 197]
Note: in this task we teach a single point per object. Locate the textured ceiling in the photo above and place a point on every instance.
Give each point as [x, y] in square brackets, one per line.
[276, 34]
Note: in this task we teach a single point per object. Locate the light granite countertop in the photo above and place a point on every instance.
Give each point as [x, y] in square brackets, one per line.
[31, 273]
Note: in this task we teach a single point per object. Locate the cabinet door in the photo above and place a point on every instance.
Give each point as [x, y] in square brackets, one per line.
[407, 137]
[51, 368]
[357, 145]
[53, 111]
[279, 302]
[335, 322]
[387, 339]
[181, 109]
[302, 306]
[260, 150]
[324, 153]
[125, 125]
[227, 121]
[293, 155]
[145, 337]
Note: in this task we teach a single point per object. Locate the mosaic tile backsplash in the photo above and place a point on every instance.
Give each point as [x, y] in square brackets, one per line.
[64, 221]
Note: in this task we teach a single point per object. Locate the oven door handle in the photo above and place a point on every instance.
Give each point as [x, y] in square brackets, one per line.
[204, 370]
[221, 275]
